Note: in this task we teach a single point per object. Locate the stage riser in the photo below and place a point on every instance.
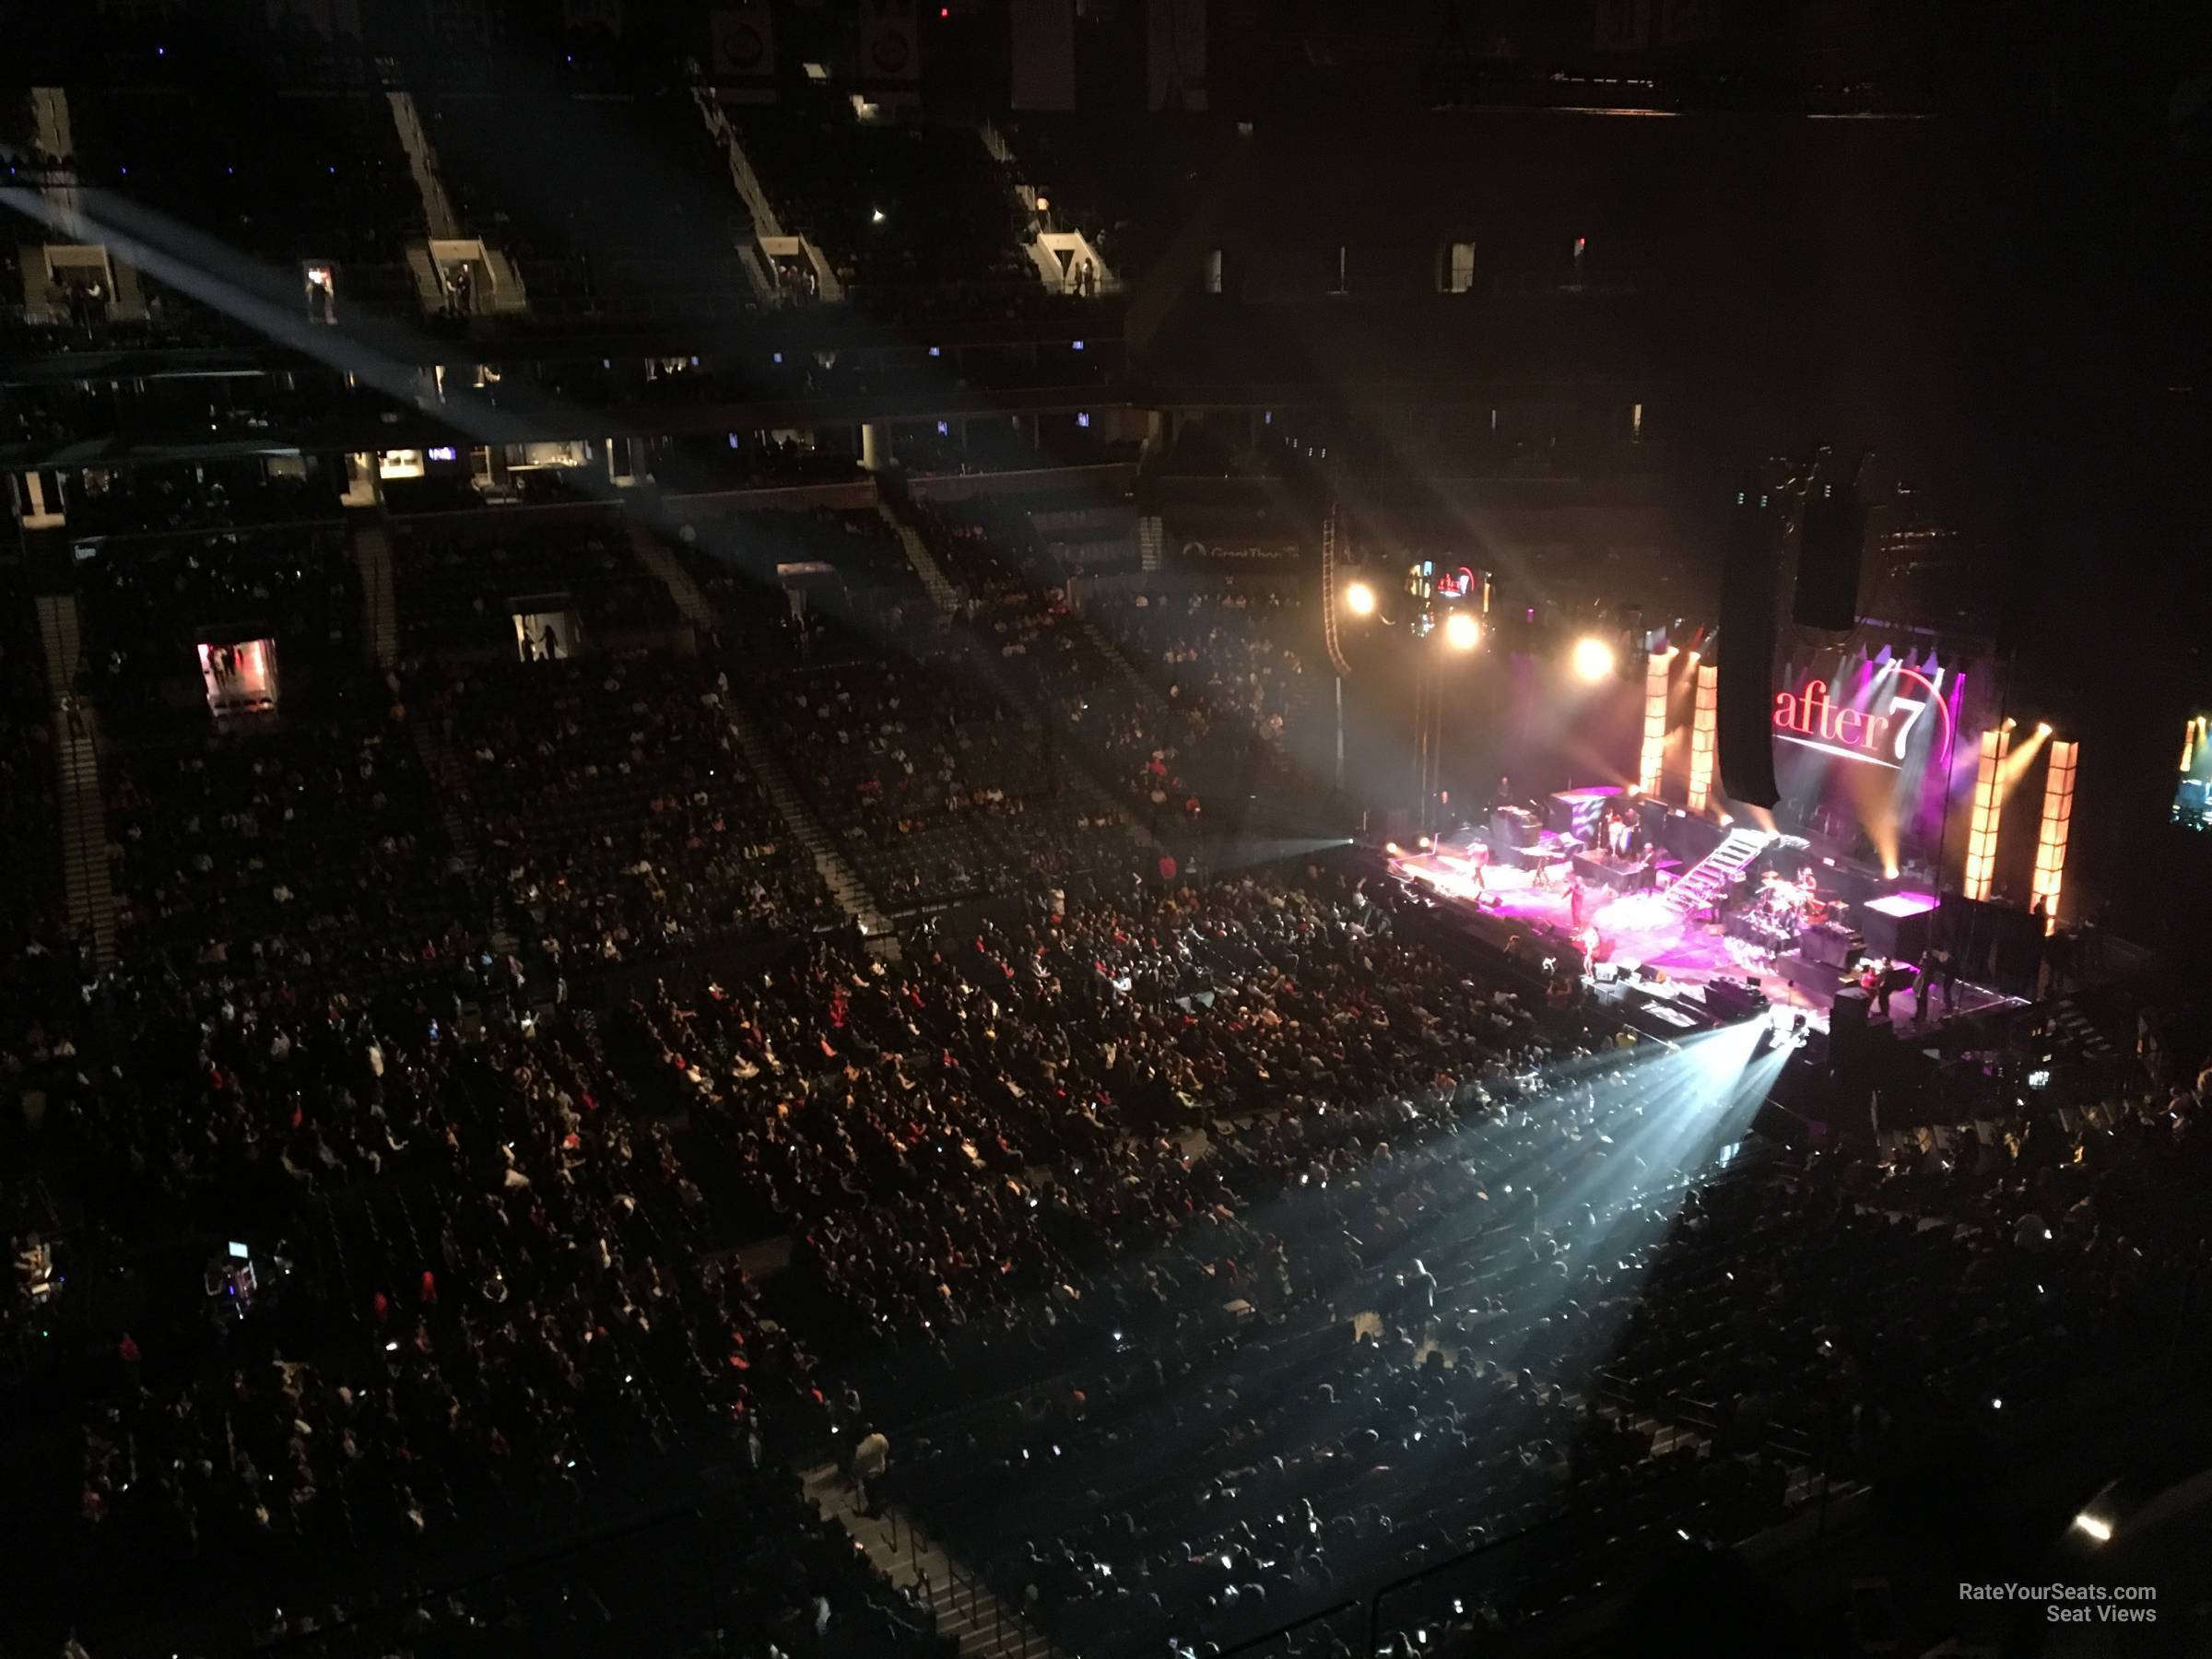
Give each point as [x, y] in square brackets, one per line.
[1899, 938]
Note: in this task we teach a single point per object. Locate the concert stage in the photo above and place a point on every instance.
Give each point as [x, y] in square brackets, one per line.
[1677, 956]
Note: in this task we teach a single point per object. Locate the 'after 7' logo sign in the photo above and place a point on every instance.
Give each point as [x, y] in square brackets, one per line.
[1877, 729]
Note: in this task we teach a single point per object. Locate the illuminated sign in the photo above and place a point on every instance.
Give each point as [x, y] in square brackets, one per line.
[1877, 728]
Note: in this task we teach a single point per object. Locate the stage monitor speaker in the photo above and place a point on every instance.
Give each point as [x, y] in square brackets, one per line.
[1847, 1019]
[1899, 938]
[1732, 999]
[1829, 558]
[1746, 714]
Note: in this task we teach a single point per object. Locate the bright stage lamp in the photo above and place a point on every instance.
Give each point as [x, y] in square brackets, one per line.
[1593, 659]
[1361, 599]
[1461, 632]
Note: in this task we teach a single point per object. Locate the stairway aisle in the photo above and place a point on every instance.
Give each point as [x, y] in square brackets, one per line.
[668, 570]
[380, 602]
[843, 881]
[942, 594]
[965, 1608]
[88, 880]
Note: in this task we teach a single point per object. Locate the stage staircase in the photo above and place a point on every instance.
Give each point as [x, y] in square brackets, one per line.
[1719, 870]
[965, 1607]
[942, 594]
[838, 873]
[380, 602]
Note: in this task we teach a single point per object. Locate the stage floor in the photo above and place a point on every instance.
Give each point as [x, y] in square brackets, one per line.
[1642, 929]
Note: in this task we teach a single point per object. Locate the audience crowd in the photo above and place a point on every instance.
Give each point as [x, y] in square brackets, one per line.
[487, 1142]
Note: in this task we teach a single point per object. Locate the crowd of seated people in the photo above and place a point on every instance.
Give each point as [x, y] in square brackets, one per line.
[1070, 1043]
[1240, 652]
[314, 848]
[1433, 1277]
[940, 788]
[460, 587]
[612, 806]
[145, 605]
[481, 1310]
[675, 1586]
[1260, 1198]
[976, 1171]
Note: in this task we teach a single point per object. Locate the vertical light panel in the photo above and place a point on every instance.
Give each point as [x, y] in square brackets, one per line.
[1989, 809]
[1655, 722]
[2051, 838]
[1704, 725]
[2189, 733]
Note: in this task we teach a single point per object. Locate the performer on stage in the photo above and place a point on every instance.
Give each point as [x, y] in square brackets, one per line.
[1574, 903]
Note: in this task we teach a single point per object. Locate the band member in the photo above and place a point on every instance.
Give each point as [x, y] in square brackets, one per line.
[1574, 903]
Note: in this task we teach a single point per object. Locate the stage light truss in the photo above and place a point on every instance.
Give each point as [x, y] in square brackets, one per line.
[1703, 726]
[2051, 839]
[1989, 809]
[1648, 776]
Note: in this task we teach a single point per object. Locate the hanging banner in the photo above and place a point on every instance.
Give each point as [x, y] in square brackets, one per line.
[890, 41]
[1175, 55]
[1044, 54]
[743, 42]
